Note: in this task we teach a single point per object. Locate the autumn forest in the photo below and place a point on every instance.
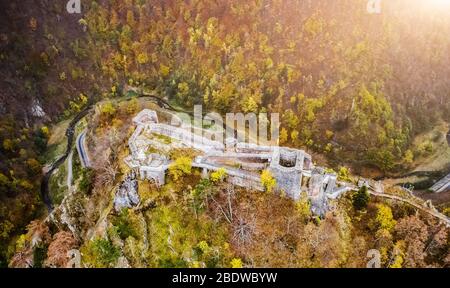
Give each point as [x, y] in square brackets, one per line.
[366, 94]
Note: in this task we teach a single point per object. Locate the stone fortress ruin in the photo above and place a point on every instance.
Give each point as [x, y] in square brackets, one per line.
[293, 169]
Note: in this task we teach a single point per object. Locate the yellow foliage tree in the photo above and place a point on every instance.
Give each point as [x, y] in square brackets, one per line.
[108, 109]
[142, 58]
[218, 175]
[164, 70]
[283, 135]
[384, 218]
[236, 263]
[268, 181]
[398, 255]
[182, 166]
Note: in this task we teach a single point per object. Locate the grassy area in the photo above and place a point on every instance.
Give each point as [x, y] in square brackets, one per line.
[76, 166]
[58, 184]
[56, 145]
[56, 148]
[431, 150]
[58, 132]
[163, 138]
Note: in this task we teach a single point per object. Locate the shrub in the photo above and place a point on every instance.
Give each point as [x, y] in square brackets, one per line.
[181, 167]
[236, 263]
[218, 175]
[361, 198]
[101, 253]
[87, 179]
[268, 181]
[124, 226]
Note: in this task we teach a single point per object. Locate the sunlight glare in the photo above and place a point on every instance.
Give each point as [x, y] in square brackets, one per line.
[438, 3]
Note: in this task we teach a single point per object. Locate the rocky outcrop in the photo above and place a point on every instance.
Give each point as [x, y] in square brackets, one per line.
[70, 214]
[127, 194]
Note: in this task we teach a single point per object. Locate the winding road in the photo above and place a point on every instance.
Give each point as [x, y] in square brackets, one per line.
[45, 189]
[84, 158]
[46, 179]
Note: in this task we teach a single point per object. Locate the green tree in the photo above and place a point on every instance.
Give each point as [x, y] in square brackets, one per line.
[100, 253]
[361, 198]
[87, 180]
[124, 226]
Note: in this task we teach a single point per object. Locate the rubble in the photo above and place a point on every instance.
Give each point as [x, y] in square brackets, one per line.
[127, 194]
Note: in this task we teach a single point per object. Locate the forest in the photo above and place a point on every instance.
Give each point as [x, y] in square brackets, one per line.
[353, 87]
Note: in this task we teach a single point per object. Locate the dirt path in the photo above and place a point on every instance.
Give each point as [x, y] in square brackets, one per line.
[70, 171]
[430, 211]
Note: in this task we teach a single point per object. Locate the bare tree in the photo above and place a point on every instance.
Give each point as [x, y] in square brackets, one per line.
[227, 209]
[243, 230]
[62, 243]
[106, 175]
[314, 236]
[23, 259]
[437, 241]
[231, 194]
[38, 232]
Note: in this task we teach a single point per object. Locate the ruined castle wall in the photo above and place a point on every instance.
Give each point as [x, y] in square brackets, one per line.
[288, 166]
[186, 137]
[288, 182]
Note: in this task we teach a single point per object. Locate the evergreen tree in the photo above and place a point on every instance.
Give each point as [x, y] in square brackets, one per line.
[361, 198]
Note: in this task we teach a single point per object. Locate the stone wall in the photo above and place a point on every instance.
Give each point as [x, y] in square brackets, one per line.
[288, 166]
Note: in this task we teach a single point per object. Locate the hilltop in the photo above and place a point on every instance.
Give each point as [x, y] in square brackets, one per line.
[365, 95]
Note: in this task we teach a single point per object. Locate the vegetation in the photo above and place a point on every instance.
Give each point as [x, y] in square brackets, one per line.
[61, 244]
[100, 253]
[384, 219]
[218, 175]
[361, 198]
[181, 167]
[360, 90]
[268, 181]
[124, 225]
[86, 182]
